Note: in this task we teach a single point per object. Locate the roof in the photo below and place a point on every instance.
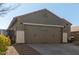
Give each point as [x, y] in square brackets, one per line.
[15, 18]
[63, 19]
[74, 28]
[13, 22]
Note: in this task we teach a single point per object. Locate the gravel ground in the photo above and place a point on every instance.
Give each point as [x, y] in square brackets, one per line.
[21, 49]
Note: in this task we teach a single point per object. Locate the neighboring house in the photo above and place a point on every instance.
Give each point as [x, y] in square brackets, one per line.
[75, 33]
[41, 26]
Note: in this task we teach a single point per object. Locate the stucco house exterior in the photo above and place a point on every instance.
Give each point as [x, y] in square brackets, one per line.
[41, 26]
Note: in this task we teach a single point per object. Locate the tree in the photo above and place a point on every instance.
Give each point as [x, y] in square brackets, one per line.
[5, 8]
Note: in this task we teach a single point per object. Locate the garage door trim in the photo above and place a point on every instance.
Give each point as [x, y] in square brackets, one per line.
[35, 24]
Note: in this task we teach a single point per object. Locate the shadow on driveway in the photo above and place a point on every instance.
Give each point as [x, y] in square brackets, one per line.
[24, 49]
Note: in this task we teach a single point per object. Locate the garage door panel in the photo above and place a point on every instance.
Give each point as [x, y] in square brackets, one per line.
[35, 34]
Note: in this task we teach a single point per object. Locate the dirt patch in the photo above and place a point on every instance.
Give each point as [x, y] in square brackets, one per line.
[24, 49]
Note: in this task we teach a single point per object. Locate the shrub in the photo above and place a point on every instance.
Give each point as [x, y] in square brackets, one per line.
[4, 42]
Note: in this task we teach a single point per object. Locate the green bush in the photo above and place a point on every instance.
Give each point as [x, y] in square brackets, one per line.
[4, 42]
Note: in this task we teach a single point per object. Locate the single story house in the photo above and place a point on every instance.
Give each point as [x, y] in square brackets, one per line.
[75, 33]
[41, 26]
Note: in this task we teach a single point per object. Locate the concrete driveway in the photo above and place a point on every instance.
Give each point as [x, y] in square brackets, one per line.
[56, 49]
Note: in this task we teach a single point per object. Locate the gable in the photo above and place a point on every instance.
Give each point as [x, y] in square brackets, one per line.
[43, 17]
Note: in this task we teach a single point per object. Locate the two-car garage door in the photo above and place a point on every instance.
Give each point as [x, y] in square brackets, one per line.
[41, 34]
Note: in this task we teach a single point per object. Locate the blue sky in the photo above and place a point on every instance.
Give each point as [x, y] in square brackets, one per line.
[67, 11]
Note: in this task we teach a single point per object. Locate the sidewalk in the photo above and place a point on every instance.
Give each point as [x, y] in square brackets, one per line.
[11, 51]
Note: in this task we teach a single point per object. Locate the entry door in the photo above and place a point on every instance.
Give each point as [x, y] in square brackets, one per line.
[64, 37]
